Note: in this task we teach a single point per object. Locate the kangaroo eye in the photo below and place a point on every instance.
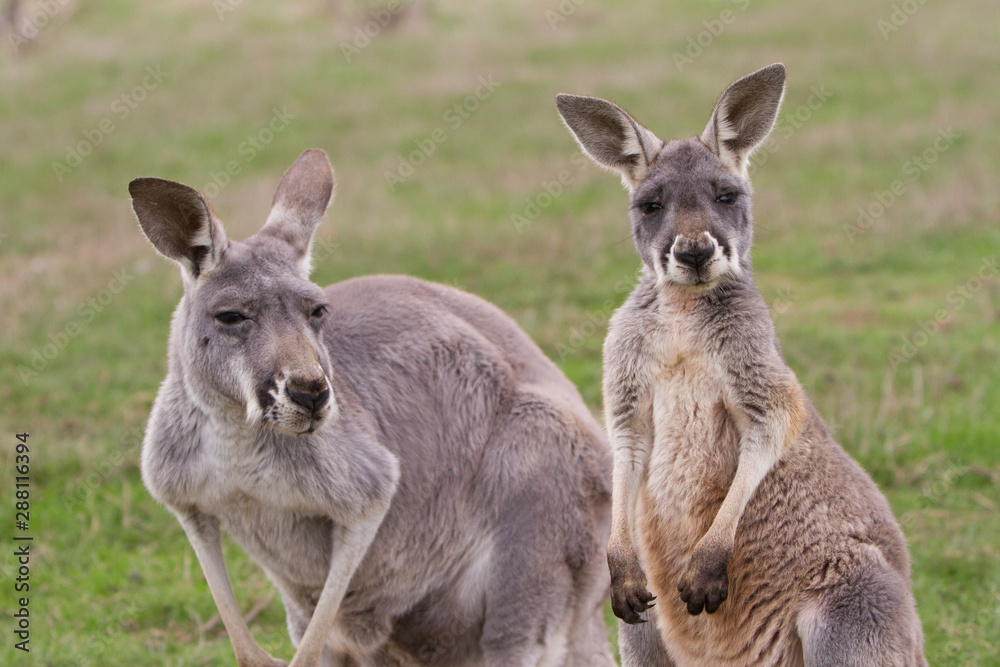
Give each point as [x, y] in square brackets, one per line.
[230, 317]
[319, 311]
[728, 198]
[649, 207]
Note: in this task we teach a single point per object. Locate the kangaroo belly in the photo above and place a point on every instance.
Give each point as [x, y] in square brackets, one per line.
[694, 459]
[268, 537]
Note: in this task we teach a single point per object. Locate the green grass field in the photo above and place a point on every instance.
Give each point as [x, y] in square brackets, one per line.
[877, 243]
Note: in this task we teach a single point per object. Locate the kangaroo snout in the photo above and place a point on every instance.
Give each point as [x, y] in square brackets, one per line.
[312, 395]
[692, 259]
[693, 255]
[302, 400]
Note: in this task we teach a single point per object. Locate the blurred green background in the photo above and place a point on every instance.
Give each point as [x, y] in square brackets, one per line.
[876, 245]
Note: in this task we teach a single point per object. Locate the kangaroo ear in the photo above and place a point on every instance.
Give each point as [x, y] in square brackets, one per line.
[610, 136]
[179, 223]
[299, 204]
[744, 116]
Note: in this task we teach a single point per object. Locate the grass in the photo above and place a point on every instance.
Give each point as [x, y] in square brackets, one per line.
[890, 326]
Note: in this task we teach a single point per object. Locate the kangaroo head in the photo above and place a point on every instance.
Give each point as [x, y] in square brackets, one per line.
[248, 331]
[690, 199]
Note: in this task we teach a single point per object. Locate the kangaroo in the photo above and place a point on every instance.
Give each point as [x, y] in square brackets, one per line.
[727, 486]
[420, 483]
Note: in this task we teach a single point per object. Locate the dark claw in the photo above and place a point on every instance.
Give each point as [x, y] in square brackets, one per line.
[705, 584]
[629, 597]
[713, 603]
[633, 604]
[627, 615]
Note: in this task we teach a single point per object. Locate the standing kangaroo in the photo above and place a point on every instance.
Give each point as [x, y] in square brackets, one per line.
[421, 484]
[727, 485]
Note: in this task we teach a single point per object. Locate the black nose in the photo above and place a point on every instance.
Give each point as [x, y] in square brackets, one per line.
[311, 402]
[694, 258]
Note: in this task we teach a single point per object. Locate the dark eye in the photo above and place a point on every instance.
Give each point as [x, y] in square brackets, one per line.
[230, 317]
[728, 198]
[649, 207]
[319, 311]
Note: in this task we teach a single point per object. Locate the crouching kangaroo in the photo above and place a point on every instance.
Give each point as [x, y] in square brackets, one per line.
[422, 485]
[727, 485]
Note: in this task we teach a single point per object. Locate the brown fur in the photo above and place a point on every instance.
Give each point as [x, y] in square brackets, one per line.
[728, 489]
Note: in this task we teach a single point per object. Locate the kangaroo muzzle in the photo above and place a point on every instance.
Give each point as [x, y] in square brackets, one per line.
[694, 260]
[301, 400]
[693, 254]
[312, 394]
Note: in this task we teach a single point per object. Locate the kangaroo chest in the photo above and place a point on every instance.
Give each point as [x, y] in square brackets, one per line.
[695, 446]
[295, 547]
[695, 442]
[244, 493]
[692, 463]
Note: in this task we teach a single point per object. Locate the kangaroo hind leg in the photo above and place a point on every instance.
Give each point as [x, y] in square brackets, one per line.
[868, 620]
[641, 645]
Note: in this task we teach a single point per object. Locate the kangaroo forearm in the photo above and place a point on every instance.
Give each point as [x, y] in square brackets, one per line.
[627, 477]
[764, 441]
[204, 536]
[753, 467]
[351, 543]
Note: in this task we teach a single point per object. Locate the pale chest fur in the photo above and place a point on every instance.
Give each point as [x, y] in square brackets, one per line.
[695, 444]
[694, 449]
[265, 532]
[258, 508]
[694, 456]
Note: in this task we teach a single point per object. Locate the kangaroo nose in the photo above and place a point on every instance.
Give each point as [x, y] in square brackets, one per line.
[310, 401]
[694, 257]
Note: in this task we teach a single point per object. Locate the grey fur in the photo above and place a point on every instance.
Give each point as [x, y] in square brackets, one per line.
[727, 485]
[420, 483]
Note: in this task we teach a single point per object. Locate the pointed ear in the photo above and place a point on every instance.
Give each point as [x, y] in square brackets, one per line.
[299, 204]
[610, 136]
[179, 223]
[744, 116]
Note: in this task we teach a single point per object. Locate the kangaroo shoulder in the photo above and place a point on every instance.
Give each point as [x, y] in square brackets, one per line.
[172, 445]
